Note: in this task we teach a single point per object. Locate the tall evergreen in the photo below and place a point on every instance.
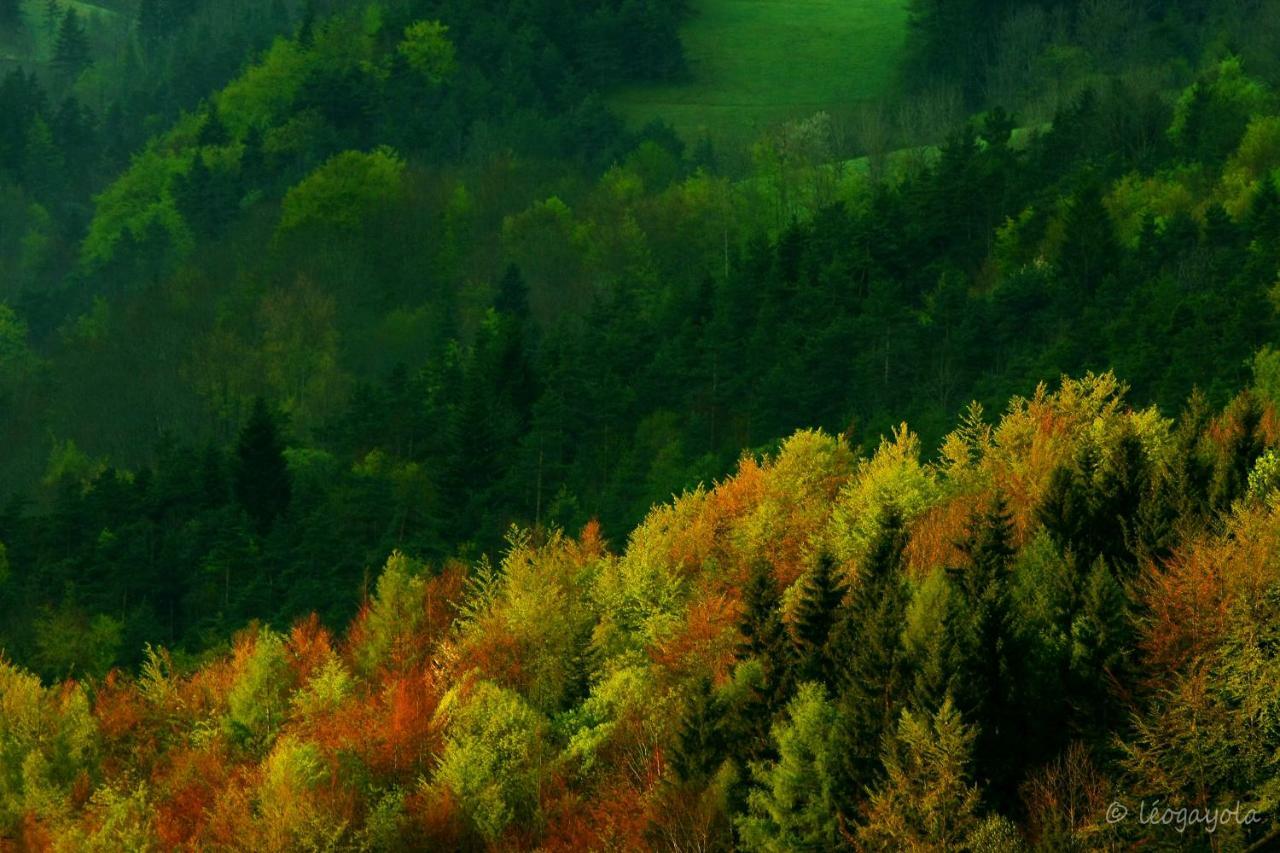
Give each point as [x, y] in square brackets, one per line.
[71, 52]
[987, 679]
[262, 482]
[764, 636]
[869, 660]
[1244, 444]
[700, 745]
[816, 611]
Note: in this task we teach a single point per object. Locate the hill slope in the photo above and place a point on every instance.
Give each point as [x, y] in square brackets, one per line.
[753, 63]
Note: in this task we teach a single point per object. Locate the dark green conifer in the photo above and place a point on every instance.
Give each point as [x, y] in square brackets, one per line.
[262, 483]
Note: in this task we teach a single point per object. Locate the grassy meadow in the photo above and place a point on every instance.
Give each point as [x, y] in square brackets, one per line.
[753, 63]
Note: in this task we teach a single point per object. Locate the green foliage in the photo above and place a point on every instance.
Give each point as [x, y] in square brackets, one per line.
[47, 739]
[871, 666]
[345, 192]
[815, 614]
[262, 482]
[70, 642]
[494, 756]
[927, 801]
[793, 804]
[258, 700]
[393, 617]
[427, 49]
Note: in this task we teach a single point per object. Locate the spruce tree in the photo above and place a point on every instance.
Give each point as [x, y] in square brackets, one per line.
[262, 482]
[869, 660]
[986, 693]
[764, 635]
[820, 598]
[213, 132]
[700, 745]
[71, 53]
[1101, 635]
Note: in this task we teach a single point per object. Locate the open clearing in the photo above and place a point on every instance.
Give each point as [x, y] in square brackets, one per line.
[754, 63]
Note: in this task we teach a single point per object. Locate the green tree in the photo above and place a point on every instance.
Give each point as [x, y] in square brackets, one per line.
[700, 746]
[793, 805]
[869, 658]
[815, 614]
[262, 483]
[765, 636]
[927, 801]
[986, 685]
[71, 53]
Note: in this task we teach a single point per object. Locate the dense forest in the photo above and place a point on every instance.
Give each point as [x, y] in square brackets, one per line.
[400, 450]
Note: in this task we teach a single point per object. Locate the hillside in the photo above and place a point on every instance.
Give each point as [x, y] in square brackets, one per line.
[753, 64]
[482, 424]
[909, 629]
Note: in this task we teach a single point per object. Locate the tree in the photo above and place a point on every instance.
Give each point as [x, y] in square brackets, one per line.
[262, 482]
[1238, 454]
[764, 639]
[793, 804]
[427, 49]
[815, 615]
[71, 52]
[1102, 636]
[700, 746]
[869, 660]
[986, 678]
[927, 801]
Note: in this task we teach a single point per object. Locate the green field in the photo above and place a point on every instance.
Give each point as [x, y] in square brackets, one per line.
[755, 63]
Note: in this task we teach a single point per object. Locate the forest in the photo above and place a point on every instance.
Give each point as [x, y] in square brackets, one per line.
[407, 442]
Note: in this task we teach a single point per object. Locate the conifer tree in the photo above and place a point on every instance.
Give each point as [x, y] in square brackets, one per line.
[1244, 444]
[262, 482]
[870, 662]
[764, 635]
[71, 52]
[815, 616]
[213, 132]
[986, 683]
[1101, 635]
[700, 746]
[928, 800]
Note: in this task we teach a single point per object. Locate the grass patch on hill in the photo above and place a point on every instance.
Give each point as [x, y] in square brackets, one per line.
[755, 63]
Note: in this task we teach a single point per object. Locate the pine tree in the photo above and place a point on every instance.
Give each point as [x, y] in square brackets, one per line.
[1101, 635]
[927, 801]
[71, 53]
[52, 16]
[765, 636]
[700, 746]
[513, 294]
[870, 661]
[815, 616]
[792, 806]
[986, 686]
[262, 482]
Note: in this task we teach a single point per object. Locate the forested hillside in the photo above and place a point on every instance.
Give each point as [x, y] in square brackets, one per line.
[394, 438]
[1071, 608]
